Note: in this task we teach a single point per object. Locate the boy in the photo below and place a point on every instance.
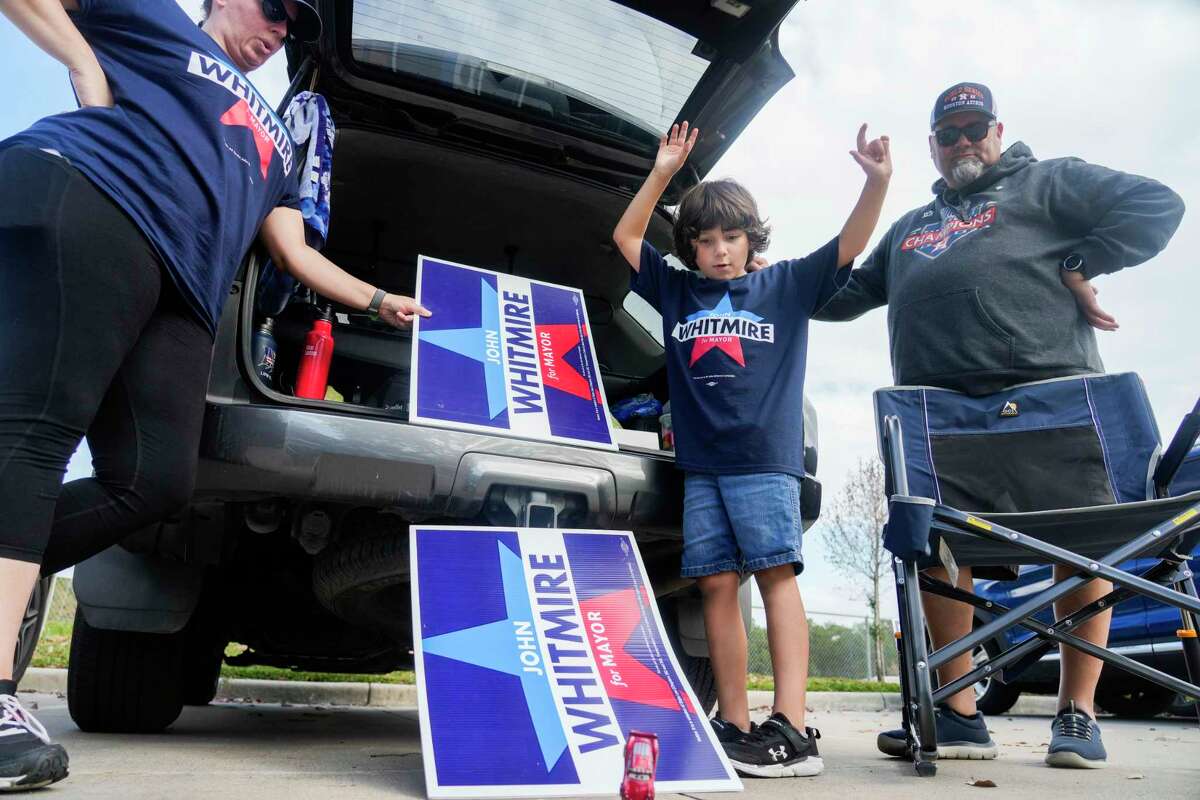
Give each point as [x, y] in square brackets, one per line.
[736, 346]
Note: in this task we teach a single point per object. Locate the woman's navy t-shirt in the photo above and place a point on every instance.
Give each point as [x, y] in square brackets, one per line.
[191, 151]
[736, 354]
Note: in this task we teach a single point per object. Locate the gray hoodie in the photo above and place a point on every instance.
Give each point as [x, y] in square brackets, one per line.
[971, 280]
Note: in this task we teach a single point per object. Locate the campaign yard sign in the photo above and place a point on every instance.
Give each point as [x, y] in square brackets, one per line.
[505, 354]
[537, 651]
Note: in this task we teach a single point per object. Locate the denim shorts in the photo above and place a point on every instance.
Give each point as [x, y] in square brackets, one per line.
[740, 523]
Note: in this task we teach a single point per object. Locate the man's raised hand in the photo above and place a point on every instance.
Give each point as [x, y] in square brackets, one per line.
[875, 157]
[674, 149]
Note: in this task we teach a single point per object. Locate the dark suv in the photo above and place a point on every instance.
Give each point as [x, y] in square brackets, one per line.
[1146, 631]
[505, 136]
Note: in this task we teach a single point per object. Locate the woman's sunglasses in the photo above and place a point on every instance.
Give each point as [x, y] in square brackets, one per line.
[275, 11]
[948, 136]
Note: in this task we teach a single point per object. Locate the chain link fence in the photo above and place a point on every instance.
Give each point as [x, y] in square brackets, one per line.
[62, 603]
[840, 646]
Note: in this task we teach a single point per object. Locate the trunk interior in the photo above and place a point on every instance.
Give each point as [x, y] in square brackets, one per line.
[396, 198]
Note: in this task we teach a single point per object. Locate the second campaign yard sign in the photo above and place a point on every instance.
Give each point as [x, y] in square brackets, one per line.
[505, 354]
[537, 651]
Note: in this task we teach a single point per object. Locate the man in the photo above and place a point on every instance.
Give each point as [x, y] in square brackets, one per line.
[987, 286]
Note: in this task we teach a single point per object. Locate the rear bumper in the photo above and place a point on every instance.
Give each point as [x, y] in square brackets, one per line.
[249, 452]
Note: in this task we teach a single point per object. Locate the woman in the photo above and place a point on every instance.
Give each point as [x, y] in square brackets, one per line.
[122, 225]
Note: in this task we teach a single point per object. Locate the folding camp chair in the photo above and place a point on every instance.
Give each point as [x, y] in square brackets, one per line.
[938, 445]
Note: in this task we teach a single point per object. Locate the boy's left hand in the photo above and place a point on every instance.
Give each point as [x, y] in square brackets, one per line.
[875, 157]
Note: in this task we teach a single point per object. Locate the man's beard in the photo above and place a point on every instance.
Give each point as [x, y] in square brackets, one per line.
[966, 170]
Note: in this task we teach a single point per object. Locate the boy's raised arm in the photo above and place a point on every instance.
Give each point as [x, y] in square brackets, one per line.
[673, 151]
[875, 158]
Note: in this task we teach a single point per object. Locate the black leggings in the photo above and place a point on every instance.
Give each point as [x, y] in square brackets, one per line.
[95, 340]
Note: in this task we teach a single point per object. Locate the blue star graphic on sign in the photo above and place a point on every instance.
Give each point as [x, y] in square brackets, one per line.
[474, 344]
[494, 646]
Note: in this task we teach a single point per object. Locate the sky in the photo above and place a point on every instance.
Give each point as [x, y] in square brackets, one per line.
[1113, 83]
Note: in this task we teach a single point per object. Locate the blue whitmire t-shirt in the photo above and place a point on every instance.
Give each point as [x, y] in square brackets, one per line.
[736, 354]
[190, 151]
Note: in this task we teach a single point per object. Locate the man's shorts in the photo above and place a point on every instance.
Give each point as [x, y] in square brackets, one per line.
[740, 523]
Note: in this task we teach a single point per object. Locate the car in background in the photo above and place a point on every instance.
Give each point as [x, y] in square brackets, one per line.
[1141, 629]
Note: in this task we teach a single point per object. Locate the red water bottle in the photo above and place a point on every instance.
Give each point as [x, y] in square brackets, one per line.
[313, 374]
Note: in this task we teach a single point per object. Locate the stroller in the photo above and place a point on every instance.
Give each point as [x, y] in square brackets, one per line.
[1027, 446]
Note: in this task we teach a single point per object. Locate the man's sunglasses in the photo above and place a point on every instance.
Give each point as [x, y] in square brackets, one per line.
[948, 136]
[275, 11]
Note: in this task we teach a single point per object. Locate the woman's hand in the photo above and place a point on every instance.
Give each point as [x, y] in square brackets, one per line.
[91, 86]
[674, 149]
[1085, 297]
[398, 310]
[875, 157]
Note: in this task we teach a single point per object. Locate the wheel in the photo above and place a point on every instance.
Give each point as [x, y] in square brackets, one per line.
[123, 682]
[200, 670]
[1132, 698]
[992, 696]
[204, 640]
[32, 622]
[365, 581]
[697, 669]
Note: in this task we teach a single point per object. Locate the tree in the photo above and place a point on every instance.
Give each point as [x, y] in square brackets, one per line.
[853, 533]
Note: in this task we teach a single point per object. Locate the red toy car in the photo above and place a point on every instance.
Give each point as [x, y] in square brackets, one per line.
[641, 759]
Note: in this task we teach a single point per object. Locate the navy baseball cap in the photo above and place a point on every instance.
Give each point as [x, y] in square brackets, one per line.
[963, 97]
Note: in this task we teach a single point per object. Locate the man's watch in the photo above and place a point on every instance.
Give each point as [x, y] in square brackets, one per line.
[376, 302]
[1073, 262]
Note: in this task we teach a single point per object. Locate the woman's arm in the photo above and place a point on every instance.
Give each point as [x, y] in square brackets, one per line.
[282, 233]
[47, 25]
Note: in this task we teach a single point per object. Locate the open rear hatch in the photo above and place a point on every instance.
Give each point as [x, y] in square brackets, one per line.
[507, 136]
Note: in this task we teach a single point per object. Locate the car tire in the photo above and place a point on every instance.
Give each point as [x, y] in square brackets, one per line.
[200, 671]
[1130, 698]
[365, 581]
[204, 641]
[32, 622]
[697, 669]
[123, 681]
[992, 696]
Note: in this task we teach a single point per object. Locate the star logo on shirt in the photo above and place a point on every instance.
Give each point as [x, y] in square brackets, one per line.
[240, 115]
[728, 341]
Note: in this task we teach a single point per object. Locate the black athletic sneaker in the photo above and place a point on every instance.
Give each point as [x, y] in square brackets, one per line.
[727, 731]
[777, 750]
[958, 737]
[28, 759]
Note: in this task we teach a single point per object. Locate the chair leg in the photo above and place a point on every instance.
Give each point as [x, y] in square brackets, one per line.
[918, 699]
[1191, 644]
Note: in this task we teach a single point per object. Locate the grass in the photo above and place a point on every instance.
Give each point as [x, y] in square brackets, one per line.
[766, 683]
[55, 645]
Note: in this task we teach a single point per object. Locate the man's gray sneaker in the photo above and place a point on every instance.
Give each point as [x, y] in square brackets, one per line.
[1076, 741]
[958, 737]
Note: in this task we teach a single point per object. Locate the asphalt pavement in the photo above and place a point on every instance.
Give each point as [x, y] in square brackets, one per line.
[294, 752]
